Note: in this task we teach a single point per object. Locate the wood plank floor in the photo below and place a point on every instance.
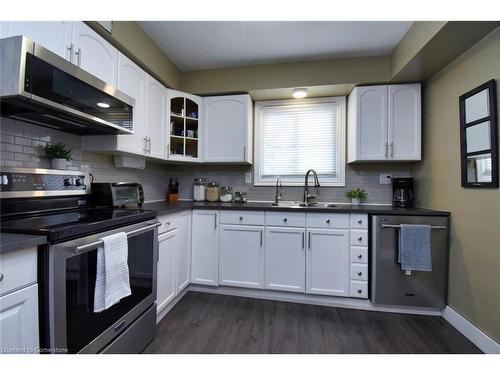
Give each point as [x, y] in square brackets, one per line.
[210, 323]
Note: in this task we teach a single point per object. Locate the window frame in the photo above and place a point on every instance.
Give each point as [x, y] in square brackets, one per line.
[341, 151]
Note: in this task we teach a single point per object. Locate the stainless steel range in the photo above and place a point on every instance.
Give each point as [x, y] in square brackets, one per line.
[57, 204]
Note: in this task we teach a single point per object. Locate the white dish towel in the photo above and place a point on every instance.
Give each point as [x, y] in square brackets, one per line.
[112, 276]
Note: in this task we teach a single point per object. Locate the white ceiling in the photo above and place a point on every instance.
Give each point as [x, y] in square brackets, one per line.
[195, 45]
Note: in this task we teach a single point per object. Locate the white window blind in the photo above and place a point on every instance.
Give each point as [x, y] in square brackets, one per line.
[294, 137]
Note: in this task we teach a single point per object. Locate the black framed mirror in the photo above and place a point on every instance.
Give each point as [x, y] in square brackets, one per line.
[479, 137]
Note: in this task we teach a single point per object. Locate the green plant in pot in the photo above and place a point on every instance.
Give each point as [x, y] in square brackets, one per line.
[356, 195]
[58, 155]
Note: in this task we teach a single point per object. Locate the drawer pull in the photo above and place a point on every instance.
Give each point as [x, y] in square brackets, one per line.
[360, 256]
[328, 221]
[360, 221]
[241, 218]
[360, 273]
[360, 291]
[360, 238]
[285, 219]
[168, 222]
[1, 276]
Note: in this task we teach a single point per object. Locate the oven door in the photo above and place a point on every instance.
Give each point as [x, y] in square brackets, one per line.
[73, 325]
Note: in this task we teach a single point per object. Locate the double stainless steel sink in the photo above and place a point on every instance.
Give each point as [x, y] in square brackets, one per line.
[290, 204]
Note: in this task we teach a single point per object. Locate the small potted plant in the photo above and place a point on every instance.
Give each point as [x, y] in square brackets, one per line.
[356, 195]
[58, 155]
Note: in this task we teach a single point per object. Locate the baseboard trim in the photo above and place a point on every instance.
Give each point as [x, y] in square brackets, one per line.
[469, 330]
[342, 302]
[164, 311]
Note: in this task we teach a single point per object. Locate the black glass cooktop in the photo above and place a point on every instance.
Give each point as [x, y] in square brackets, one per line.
[76, 223]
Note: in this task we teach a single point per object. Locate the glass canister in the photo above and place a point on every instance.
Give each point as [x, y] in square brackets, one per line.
[212, 194]
[199, 189]
[226, 194]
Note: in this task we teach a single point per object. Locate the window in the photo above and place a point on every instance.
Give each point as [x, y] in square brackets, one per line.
[293, 136]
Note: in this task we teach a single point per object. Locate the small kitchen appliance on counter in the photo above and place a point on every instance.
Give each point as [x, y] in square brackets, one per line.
[402, 192]
[117, 194]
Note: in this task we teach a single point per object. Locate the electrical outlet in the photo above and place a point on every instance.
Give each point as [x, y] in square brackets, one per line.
[248, 178]
[385, 178]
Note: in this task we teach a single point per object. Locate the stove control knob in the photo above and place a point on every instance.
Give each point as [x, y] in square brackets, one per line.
[68, 182]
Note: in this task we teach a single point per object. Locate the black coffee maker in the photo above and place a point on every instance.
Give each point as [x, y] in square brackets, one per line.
[402, 192]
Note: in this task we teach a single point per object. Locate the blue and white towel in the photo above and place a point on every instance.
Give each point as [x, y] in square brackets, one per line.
[415, 247]
[112, 275]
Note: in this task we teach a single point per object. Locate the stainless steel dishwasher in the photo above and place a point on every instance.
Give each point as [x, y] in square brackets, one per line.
[391, 286]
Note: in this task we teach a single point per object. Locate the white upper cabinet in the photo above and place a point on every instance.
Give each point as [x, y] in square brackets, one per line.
[94, 54]
[384, 123]
[156, 121]
[404, 130]
[56, 36]
[228, 129]
[185, 114]
[327, 262]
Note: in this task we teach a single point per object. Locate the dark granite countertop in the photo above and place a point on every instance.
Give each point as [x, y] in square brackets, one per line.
[14, 241]
[163, 208]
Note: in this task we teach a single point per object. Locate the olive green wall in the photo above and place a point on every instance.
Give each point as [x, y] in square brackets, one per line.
[130, 39]
[474, 279]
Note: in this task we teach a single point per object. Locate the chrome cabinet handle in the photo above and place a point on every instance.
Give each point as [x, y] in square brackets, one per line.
[168, 223]
[145, 148]
[360, 256]
[392, 149]
[309, 240]
[244, 153]
[285, 219]
[215, 221]
[241, 218]
[1, 276]
[328, 221]
[360, 221]
[149, 144]
[303, 239]
[79, 57]
[386, 152]
[261, 238]
[360, 238]
[360, 273]
[359, 291]
[70, 49]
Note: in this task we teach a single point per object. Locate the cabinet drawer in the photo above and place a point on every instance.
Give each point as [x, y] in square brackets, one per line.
[17, 269]
[286, 219]
[358, 271]
[242, 217]
[358, 254]
[168, 223]
[358, 289]
[359, 237]
[337, 221]
[359, 221]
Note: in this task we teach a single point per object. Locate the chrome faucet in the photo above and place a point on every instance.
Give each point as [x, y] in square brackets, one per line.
[278, 196]
[307, 196]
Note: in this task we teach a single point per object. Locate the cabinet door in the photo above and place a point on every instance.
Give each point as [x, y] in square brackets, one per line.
[371, 118]
[241, 256]
[156, 98]
[285, 259]
[183, 257]
[19, 320]
[94, 54]
[53, 35]
[404, 122]
[132, 81]
[205, 248]
[327, 262]
[166, 290]
[227, 120]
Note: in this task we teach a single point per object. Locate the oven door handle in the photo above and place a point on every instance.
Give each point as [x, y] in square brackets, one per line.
[93, 245]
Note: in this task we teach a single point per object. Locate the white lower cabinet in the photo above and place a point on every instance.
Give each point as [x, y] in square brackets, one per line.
[183, 253]
[241, 256]
[205, 248]
[19, 321]
[327, 262]
[285, 259]
[166, 288]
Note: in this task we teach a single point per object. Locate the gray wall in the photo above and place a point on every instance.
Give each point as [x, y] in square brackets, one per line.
[21, 143]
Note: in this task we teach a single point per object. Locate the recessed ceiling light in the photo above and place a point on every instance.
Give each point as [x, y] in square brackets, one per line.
[299, 93]
[103, 105]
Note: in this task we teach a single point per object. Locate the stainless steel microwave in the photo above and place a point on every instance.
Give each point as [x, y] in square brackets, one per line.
[42, 88]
